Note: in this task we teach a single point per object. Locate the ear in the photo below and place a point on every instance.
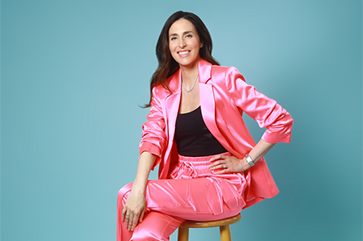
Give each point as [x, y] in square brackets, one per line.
[201, 45]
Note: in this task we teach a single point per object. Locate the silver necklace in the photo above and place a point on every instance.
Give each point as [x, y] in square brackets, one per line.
[195, 81]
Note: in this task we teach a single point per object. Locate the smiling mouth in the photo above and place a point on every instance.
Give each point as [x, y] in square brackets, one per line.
[183, 52]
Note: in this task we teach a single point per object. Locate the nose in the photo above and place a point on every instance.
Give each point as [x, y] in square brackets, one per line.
[182, 43]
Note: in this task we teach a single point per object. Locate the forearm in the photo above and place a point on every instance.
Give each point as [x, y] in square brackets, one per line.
[146, 162]
[260, 150]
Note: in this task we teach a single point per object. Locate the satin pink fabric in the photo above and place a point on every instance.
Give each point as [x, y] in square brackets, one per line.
[194, 193]
[224, 97]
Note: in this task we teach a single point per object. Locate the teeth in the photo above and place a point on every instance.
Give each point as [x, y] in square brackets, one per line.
[185, 52]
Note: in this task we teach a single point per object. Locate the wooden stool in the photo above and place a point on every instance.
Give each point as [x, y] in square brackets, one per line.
[223, 224]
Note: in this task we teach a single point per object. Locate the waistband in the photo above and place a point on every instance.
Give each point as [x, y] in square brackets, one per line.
[193, 167]
[200, 160]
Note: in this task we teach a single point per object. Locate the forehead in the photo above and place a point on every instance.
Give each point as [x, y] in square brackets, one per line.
[180, 26]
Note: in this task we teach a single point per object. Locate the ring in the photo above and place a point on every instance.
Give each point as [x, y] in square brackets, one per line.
[224, 166]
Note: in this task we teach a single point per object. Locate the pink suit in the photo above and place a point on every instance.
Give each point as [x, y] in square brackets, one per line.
[224, 96]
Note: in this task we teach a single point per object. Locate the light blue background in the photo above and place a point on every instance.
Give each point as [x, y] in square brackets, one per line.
[74, 72]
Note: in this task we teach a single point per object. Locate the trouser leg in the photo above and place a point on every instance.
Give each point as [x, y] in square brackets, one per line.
[156, 226]
[200, 199]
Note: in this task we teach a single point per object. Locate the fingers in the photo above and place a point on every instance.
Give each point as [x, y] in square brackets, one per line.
[218, 165]
[141, 217]
[133, 210]
[217, 158]
[217, 162]
[134, 222]
[221, 171]
[123, 214]
[130, 221]
[222, 164]
[127, 221]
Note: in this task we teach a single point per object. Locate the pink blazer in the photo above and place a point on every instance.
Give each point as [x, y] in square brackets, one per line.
[224, 96]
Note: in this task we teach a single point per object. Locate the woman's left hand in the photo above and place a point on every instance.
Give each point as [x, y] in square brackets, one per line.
[224, 164]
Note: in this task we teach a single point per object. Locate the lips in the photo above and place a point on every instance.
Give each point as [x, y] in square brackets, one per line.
[184, 53]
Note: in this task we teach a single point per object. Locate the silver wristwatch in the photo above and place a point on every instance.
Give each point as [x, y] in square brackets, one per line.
[249, 160]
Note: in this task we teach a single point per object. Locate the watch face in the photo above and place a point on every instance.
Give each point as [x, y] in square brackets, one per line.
[249, 160]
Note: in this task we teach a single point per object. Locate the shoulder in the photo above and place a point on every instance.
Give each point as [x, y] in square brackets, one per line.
[226, 73]
[227, 70]
[161, 91]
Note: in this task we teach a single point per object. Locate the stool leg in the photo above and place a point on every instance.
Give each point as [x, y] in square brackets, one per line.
[183, 234]
[225, 233]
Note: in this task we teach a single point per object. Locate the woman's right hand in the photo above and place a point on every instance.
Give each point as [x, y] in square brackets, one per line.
[135, 205]
[134, 209]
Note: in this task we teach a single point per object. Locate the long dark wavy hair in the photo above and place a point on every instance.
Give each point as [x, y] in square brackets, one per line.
[167, 65]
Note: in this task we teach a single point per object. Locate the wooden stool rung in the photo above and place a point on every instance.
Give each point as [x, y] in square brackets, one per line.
[223, 224]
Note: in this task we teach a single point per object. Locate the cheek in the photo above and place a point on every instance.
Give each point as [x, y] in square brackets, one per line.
[171, 47]
[197, 44]
[196, 47]
[172, 50]
[193, 44]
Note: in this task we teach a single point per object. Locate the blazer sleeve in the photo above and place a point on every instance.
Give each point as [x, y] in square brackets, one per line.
[267, 112]
[153, 135]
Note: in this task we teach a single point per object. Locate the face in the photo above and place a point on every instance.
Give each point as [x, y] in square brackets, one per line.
[184, 43]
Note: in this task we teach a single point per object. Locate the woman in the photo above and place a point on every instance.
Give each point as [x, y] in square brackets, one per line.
[209, 166]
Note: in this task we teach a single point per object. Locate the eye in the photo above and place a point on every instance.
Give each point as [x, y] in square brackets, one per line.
[188, 36]
[173, 38]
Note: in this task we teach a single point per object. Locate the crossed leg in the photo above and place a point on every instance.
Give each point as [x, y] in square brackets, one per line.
[171, 201]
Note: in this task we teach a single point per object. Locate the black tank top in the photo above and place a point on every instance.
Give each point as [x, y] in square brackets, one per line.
[192, 136]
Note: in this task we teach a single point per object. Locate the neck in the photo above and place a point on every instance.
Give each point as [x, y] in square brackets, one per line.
[189, 73]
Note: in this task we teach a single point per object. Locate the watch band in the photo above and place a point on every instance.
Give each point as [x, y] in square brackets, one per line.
[249, 160]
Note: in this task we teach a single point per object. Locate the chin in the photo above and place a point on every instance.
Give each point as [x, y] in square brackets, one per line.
[187, 63]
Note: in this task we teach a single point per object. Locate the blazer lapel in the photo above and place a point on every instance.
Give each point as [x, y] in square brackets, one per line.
[171, 108]
[207, 102]
[172, 103]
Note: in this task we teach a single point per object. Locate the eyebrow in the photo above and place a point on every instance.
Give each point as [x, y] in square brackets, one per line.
[186, 32]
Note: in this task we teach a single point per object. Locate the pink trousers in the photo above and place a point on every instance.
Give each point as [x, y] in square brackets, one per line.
[193, 193]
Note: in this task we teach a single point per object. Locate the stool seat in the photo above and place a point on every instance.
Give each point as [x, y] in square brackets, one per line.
[223, 224]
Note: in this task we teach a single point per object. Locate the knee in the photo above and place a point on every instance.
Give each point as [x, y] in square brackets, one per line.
[124, 191]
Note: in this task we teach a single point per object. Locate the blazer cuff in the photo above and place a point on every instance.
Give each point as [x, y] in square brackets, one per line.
[276, 137]
[153, 149]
